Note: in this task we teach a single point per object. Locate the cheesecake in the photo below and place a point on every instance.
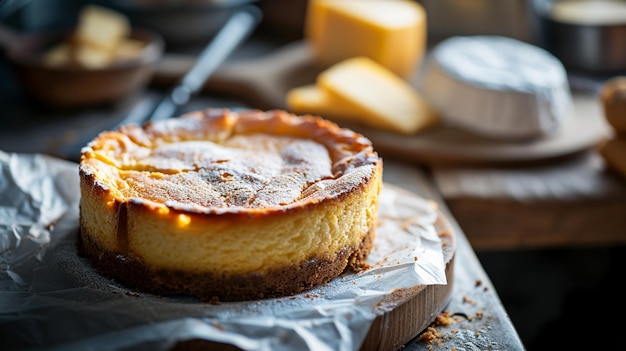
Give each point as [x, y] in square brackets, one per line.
[229, 205]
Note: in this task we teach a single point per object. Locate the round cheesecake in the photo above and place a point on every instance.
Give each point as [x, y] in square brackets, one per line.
[229, 206]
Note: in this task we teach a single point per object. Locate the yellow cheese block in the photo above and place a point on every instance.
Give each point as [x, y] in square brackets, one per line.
[390, 32]
[359, 89]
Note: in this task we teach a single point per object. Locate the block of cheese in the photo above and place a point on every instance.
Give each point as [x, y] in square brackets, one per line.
[390, 32]
[497, 87]
[361, 89]
[311, 99]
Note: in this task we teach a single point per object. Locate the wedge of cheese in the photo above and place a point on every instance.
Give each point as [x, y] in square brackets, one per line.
[390, 32]
[361, 90]
[311, 99]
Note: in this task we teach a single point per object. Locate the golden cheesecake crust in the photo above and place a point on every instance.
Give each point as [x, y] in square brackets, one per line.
[229, 205]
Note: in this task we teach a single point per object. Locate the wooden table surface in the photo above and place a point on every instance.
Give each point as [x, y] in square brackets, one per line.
[481, 321]
[573, 202]
[480, 318]
[570, 202]
[577, 202]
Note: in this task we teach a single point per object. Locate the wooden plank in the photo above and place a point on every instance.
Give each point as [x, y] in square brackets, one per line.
[510, 225]
[574, 203]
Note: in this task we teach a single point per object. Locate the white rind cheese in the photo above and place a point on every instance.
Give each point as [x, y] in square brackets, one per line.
[497, 87]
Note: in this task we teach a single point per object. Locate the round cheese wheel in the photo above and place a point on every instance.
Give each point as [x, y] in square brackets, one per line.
[497, 86]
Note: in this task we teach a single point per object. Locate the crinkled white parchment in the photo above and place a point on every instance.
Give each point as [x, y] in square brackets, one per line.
[50, 298]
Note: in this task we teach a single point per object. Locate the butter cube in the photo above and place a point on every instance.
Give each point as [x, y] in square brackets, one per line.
[390, 32]
[376, 96]
[101, 27]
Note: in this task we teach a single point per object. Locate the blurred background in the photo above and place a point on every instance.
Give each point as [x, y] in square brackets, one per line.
[589, 42]
[553, 294]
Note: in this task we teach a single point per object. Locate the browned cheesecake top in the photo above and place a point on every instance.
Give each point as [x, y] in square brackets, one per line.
[222, 159]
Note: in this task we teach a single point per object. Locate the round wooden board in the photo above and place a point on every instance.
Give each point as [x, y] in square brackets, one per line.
[412, 310]
[402, 315]
[264, 82]
[449, 146]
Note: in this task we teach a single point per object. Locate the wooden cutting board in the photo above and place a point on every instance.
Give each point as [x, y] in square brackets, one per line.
[410, 311]
[264, 82]
[401, 315]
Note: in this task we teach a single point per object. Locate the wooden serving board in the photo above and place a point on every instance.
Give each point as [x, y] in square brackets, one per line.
[410, 311]
[264, 82]
[401, 315]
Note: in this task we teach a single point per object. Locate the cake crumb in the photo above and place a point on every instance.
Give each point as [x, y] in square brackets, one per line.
[443, 319]
[479, 314]
[430, 335]
[468, 300]
[479, 282]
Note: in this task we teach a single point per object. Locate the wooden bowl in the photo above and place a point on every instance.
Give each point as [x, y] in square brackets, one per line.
[75, 86]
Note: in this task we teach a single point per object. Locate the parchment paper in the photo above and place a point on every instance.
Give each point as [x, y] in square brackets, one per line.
[52, 299]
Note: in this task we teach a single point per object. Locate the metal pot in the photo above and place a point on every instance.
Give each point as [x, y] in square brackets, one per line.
[585, 35]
